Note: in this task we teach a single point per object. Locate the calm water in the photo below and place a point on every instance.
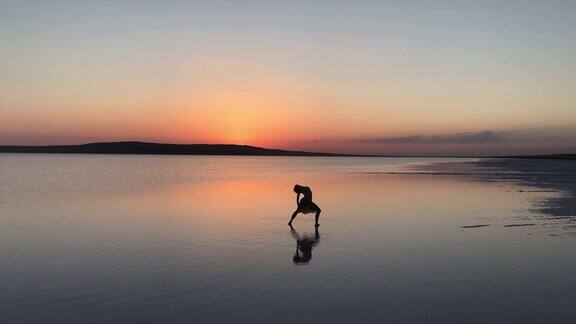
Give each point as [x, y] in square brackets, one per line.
[120, 239]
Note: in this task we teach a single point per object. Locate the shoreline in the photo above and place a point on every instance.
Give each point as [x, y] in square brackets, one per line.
[148, 148]
[542, 175]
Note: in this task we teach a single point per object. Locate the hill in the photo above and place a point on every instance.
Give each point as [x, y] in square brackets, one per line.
[547, 157]
[158, 148]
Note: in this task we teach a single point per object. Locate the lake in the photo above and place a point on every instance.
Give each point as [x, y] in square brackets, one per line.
[204, 239]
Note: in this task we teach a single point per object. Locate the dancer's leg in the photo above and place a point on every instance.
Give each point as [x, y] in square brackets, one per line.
[292, 218]
[317, 217]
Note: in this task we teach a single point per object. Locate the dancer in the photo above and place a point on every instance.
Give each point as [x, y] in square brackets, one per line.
[305, 205]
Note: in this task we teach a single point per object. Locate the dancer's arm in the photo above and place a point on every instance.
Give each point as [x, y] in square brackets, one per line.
[297, 199]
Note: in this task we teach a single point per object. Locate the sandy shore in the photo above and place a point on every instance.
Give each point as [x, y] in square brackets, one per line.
[532, 175]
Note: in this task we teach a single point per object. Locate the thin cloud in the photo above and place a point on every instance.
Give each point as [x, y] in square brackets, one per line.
[483, 137]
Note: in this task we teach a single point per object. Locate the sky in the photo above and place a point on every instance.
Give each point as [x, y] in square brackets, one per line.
[376, 77]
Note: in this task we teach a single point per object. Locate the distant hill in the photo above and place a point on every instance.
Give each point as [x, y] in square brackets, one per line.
[158, 148]
[199, 149]
[547, 157]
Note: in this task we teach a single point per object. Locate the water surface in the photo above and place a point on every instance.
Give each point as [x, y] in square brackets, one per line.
[117, 239]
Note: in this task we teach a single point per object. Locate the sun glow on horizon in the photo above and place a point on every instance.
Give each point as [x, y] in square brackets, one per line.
[378, 77]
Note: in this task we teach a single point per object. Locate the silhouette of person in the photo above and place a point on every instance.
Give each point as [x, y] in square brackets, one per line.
[305, 205]
[304, 245]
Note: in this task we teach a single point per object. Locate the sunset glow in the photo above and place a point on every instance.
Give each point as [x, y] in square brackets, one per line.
[324, 76]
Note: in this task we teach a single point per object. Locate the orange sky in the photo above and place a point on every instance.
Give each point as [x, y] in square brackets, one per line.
[378, 77]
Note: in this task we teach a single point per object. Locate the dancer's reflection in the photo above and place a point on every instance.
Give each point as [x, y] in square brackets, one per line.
[304, 245]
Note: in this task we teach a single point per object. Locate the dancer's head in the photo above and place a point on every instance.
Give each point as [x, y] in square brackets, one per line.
[297, 188]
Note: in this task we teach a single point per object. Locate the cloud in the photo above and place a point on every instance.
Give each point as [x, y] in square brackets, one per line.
[483, 137]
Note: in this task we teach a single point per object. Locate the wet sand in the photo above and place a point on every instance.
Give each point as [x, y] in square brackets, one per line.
[549, 184]
[524, 175]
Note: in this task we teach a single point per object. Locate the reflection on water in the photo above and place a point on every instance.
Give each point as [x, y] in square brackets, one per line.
[304, 245]
[118, 239]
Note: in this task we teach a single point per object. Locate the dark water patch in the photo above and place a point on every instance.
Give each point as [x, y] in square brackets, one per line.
[501, 175]
[520, 225]
[559, 217]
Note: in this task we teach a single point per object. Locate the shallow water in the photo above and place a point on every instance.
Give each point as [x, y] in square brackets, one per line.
[117, 239]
